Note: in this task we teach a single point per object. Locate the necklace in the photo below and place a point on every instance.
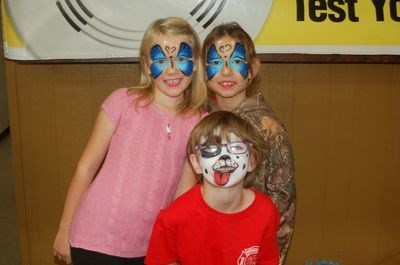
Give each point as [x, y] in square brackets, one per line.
[168, 126]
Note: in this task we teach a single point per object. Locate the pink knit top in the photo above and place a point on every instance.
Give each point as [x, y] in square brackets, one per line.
[138, 178]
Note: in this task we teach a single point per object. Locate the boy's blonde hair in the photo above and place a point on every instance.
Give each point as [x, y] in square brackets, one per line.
[225, 123]
[235, 31]
[195, 96]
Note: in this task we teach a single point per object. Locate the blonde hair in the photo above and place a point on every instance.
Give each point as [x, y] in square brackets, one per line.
[195, 96]
[226, 122]
[235, 31]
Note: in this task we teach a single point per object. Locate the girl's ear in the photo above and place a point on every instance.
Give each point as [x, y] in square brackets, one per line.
[255, 67]
[194, 65]
[195, 163]
[146, 66]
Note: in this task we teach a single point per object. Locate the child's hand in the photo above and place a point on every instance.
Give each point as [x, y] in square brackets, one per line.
[61, 248]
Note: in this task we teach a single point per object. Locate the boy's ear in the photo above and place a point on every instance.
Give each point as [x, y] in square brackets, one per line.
[252, 163]
[195, 163]
[255, 67]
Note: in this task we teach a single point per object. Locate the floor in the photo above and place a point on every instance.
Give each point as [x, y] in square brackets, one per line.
[9, 246]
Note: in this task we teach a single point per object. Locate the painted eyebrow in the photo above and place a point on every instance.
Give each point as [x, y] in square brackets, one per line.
[239, 56]
[215, 57]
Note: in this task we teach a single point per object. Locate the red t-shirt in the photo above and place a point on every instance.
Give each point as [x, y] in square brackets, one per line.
[191, 233]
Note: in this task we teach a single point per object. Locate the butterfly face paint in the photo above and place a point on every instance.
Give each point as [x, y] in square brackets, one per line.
[161, 61]
[230, 164]
[222, 55]
[184, 60]
[214, 62]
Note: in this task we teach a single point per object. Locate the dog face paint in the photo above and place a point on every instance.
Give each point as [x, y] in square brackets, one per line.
[222, 55]
[225, 169]
[160, 61]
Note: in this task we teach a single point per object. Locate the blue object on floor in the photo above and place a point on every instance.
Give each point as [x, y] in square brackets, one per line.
[321, 262]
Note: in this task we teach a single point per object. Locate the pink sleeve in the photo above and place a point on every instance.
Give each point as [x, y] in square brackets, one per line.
[115, 104]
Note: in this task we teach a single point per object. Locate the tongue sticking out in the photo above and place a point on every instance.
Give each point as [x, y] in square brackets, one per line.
[221, 178]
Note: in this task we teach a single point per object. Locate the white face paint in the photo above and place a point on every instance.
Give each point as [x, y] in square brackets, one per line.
[225, 169]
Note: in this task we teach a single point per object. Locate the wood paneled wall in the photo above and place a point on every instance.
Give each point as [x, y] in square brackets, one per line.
[343, 120]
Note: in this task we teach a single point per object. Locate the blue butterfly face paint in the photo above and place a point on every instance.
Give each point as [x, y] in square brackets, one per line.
[223, 56]
[160, 61]
[214, 62]
[184, 60]
[238, 60]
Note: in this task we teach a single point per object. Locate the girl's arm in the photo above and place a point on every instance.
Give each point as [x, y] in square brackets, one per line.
[280, 186]
[268, 253]
[87, 167]
[187, 180]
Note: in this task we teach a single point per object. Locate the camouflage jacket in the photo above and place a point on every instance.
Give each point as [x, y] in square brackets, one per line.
[276, 176]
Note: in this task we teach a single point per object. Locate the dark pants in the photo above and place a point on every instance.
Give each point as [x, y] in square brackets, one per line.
[86, 257]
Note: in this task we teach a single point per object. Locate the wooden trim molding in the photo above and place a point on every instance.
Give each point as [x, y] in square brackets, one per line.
[264, 57]
[328, 58]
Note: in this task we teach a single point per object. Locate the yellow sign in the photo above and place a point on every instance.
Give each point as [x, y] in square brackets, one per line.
[332, 22]
[71, 29]
[9, 33]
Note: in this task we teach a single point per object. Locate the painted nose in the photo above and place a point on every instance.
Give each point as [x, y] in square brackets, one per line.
[226, 70]
[171, 69]
[225, 157]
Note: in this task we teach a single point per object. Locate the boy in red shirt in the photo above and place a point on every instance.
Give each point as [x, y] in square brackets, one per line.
[221, 220]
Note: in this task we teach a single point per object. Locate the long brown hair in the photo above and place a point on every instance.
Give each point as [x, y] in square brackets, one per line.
[235, 31]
